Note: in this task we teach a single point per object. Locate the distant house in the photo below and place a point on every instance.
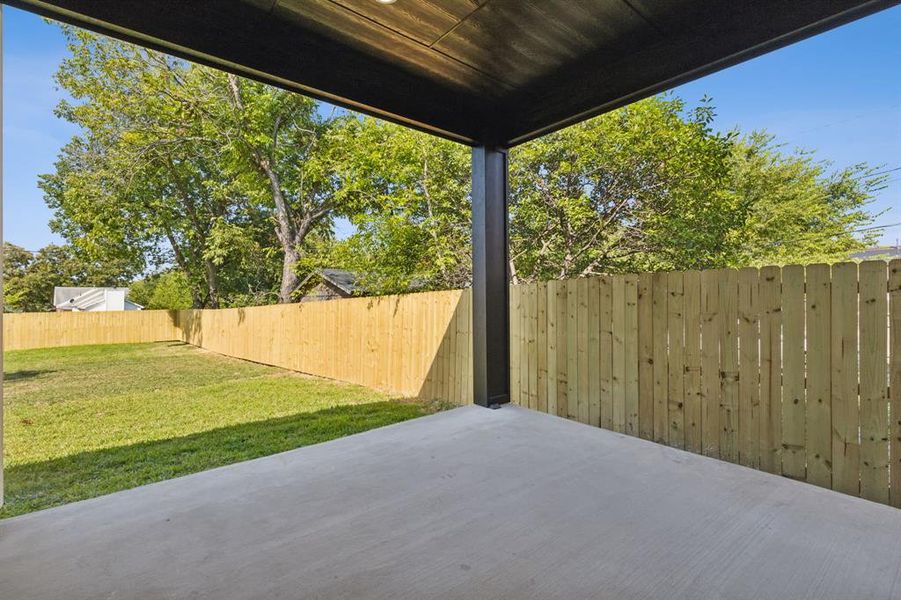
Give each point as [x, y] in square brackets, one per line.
[82, 299]
[879, 252]
[333, 283]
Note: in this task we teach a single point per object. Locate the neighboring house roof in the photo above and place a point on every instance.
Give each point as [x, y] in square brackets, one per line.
[344, 283]
[341, 279]
[61, 295]
[878, 252]
[82, 298]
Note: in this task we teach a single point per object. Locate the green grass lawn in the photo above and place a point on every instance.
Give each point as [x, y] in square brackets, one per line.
[90, 420]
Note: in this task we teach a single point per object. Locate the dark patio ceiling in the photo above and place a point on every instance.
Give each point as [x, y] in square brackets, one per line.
[477, 71]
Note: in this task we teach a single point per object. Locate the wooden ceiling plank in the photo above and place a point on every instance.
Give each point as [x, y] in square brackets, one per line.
[601, 83]
[353, 30]
[422, 20]
[523, 40]
[506, 73]
[273, 51]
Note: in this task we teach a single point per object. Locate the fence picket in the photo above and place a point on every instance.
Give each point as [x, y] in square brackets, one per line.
[594, 351]
[572, 348]
[874, 424]
[645, 356]
[845, 416]
[617, 353]
[661, 414]
[562, 343]
[770, 370]
[541, 307]
[515, 340]
[692, 311]
[794, 455]
[605, 368]
[584, 399]
[819, 375]
[710, 363]
[894, 288]
[749, 367]
[552, 351]
[729, 365]
[630, 353]
[675, 360]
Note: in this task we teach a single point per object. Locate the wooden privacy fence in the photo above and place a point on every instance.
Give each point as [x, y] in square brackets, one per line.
[54, 329]
[787, 369]
[410, 345]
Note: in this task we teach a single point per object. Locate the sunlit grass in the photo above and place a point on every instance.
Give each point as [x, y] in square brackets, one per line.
[86, 421]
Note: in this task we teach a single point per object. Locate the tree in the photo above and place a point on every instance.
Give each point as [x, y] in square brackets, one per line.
[407, 196]
[796, 210]
[184, 165]
[638, 189]
[236, 185]
[647, 187]
[283, 153]
[169, 290]
[29, 278]
[141, 182]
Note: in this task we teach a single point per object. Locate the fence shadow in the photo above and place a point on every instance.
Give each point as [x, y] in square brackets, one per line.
[41, 485]
[25, 374]
[448, 375]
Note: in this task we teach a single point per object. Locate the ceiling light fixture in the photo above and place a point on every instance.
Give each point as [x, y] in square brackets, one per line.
[386, 1]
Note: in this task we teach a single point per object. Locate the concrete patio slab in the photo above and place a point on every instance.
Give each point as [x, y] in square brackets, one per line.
[470, 503]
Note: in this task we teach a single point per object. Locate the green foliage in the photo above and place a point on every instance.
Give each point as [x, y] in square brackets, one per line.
[796, 210]
[29, 278]
[283, 156]
[91, 420]
[169, 290]
[637, 189]
[236, 185]
[407, 195]
[647, 187]
[181, 165]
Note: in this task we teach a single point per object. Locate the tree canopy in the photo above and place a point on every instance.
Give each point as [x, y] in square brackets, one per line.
[29, 277]
[221, 191]
[179, 164]
[651, 186]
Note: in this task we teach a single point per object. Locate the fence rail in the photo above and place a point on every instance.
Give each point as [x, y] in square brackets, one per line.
[793, 370]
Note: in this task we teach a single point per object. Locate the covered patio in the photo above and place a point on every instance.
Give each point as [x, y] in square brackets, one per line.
[506, 503]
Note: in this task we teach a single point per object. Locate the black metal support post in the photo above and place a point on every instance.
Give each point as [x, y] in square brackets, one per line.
[490, 295]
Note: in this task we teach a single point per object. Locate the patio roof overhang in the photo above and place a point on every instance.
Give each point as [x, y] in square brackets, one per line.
[494, 72]
[489, 73]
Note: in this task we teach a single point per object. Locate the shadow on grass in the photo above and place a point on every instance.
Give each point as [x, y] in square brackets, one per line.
[50, 483]
[25, 374]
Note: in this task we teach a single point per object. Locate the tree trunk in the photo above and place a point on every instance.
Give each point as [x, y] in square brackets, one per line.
[212, 283]
[292, 223]
[182, 262]
[196, 300]
[290, 278]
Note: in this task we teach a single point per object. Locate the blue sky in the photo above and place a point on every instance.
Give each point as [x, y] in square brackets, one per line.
[838, 93]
